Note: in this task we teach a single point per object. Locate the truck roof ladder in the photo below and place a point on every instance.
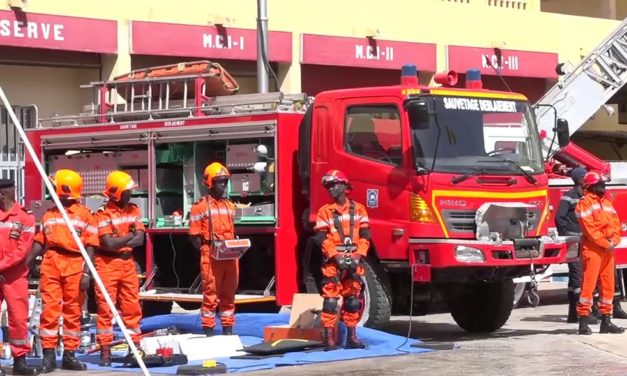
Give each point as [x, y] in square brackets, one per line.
[170, 98]
[594, 81]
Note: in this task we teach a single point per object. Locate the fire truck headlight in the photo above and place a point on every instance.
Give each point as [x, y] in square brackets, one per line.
[468, 254]
[623, 226]
[572, 251]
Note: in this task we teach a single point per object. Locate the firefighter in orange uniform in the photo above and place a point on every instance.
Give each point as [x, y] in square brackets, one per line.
[64, 274]
[343, 234]
[600, 228]
[17, 228]
[120, 229]
[212, 220]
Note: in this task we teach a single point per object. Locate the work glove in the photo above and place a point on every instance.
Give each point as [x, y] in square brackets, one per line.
[85, 279]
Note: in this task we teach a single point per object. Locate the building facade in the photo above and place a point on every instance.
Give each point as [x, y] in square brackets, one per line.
[49, 48]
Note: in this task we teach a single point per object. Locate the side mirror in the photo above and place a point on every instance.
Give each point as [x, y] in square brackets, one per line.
[563, 133]
[419, 116]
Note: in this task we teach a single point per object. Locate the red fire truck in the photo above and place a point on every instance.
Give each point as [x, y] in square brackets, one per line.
[453, 180]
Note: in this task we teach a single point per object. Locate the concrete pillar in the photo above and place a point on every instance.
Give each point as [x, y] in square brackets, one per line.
[290, 74]
[608, 9]
[114, 65]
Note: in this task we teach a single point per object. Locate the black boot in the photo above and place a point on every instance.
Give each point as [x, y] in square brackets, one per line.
[583, 325]
[105, 356]
[69, 362]
[351, 339]
[21, 368]
[50, 361]
[2, 373]
[328, 339]
[608, 327]
[572, 308]
[208, 331]
[618, 312]
[227, 330]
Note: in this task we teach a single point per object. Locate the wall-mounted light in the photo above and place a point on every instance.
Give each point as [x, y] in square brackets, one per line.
[219, 20]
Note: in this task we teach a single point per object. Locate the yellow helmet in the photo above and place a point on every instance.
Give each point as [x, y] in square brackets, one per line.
[68, 184]
[215, 170]
[116, 183]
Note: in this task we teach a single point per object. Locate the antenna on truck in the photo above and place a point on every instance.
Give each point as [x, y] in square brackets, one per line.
[499, 57]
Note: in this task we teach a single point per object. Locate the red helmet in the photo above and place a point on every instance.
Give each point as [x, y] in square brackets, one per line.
[591, 178]
[334, 176]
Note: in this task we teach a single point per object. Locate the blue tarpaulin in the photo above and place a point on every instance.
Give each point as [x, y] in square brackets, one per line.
[250, 327]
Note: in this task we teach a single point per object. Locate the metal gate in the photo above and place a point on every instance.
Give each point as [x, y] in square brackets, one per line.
[11, 147]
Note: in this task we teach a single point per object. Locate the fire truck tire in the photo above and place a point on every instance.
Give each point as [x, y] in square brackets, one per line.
[377, 296]
[481, 307]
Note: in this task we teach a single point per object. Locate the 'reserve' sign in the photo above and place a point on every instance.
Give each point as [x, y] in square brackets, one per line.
[34, 30]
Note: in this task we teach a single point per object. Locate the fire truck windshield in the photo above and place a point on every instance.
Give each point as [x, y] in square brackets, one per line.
[463, 134]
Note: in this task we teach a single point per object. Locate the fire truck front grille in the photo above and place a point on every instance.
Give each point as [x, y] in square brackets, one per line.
[463, 221]
[459, 220]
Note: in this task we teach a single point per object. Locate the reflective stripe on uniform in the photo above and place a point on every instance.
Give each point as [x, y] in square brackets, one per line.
[604, 301]
[22, 228]
[18, 341]
[570, 199]
[208, 314]
[69, 333]
[104, 331]
[227, 313]
[48, 332]
[117, 221]
[583, 300]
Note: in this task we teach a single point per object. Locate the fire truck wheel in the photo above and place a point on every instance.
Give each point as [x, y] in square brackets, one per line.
[481, 307]
[377, 296]
[520, 291]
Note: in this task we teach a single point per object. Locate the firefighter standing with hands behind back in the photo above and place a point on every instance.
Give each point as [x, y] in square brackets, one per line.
[64, 274]
[211, 220]
[17, 228]
[120, 229]
[600, 229]
[343, 234]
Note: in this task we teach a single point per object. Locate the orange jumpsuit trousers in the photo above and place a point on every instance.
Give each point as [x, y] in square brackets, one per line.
[213, 219]
[336, 221]
[120, 279]
[61, 272]
[17, 228]
[118, 272]
[600, 224]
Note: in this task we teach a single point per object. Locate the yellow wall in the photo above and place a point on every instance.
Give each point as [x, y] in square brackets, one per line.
[53, 90]
[459, 22]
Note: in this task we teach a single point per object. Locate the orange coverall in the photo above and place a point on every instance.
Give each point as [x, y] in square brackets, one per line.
[213, 220]
[17, 228]
[599, 224]
[61, 272]
[118, 273]
[334, 284]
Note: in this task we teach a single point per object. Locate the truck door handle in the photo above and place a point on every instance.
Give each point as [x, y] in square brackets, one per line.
[398, 231]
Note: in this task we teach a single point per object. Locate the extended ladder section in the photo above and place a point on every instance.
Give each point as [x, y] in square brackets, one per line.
[170, 98]
[576, 98]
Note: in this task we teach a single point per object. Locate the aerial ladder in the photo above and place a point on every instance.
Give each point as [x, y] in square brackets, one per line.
[579, 95]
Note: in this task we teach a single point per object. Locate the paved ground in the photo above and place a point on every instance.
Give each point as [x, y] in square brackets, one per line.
[534, 341]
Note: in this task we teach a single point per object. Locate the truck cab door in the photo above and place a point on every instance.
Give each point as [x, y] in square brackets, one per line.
[372, 149]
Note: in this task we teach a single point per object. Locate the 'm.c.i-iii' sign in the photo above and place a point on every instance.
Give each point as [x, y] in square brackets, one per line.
[495, 61]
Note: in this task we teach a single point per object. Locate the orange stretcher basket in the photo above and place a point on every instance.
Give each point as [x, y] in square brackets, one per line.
[218, 82]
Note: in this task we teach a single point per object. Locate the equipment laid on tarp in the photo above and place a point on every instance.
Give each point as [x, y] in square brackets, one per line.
[209, 367]
[282, 346]
[156, 360]
[195, 346]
